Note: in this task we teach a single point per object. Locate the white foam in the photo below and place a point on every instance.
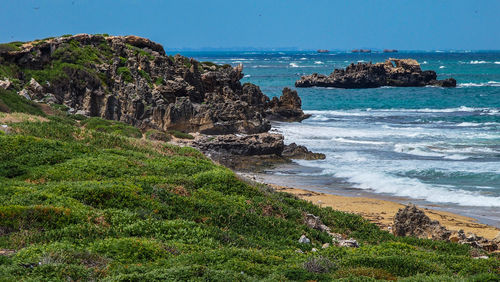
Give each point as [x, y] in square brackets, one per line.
[442, 67]
[410, 187]
[478, 62]
[303, 59]
[318, 63]
[293, 65]
[344, 140]
[247, 75]
[497, 63]
[482, 84]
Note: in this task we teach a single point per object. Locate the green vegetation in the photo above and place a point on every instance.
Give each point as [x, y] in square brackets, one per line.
[125, 73]
[10, 101]
[111, 126]
[90, 200]
[180, 134]
[12, 46]
[153, 134]
[145, 75]
[140, 52]
[159, 81]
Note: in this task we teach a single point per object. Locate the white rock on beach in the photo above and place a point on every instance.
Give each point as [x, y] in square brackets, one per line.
[304, 240]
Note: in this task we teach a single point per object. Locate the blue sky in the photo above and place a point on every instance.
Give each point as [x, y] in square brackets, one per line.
[306, 24]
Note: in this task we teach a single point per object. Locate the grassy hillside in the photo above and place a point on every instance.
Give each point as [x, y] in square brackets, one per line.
[84, 199]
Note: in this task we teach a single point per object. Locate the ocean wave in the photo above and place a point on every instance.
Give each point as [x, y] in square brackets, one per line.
[370, 112]
[381, 182]
[318, 63]
[481, 84]
[424, 63]
[247, 75]
[497, 63]
[344, 140]
[442, 67]
[293, 65]
[476, 62]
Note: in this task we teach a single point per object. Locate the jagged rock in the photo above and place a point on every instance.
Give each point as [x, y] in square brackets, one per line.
[325, 245]
[24, 93]
[497, 238]
[5, 84]
[294, 151]
[287, 108]
[119, 85]
[351, 243]
[304, 240]
[411, 221]
[392, 72]
[244, 145]
[315, 222]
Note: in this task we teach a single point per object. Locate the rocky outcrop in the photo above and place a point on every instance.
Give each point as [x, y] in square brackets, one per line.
[294, 151]
[242, 145]
[288, 107]
[392, 72]
[131, 79]
[412, 221]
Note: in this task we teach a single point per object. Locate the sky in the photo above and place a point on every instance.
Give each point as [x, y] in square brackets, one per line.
[266, 24]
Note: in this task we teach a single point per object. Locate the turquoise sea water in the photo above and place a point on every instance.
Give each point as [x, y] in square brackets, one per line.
[428, 145]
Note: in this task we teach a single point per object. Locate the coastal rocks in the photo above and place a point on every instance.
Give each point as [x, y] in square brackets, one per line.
[304, 240]
[287, 108]
[315, 222]
[294, 151]
[412, 221]
[131, 79]
[244, 145]
[5, 84]
[242, 152]
[392, 72]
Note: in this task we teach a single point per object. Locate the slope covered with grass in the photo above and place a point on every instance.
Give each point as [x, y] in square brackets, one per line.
[92, 200]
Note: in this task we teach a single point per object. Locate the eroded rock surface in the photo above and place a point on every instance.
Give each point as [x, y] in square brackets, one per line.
[412, 221]
[131, 79]
[392, 72]
[294, 151]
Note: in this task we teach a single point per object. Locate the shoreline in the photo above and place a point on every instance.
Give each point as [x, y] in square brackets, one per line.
[382, 211]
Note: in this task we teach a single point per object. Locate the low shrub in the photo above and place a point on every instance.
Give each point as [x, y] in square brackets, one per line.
[180, 134]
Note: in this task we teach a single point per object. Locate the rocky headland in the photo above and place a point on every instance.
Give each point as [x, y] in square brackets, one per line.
[392, 72]
[131, 79]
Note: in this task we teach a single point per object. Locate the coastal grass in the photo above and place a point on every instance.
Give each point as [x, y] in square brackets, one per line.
[90, 200]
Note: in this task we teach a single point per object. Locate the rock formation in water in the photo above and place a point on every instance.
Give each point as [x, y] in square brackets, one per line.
[392, 72]
[131, 79]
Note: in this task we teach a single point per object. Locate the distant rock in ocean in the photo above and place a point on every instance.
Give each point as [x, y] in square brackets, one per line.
[390, 51]
[392, 72]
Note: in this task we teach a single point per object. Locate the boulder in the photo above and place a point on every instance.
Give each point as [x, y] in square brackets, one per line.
[304, 240]
[392, 72]
[294, 151]
[287, 108]
[412, 221]
[5, 84]
[351, 243]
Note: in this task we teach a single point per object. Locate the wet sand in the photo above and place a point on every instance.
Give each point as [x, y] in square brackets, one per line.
[381, 212]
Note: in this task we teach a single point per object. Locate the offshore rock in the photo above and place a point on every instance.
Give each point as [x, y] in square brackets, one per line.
[287, 108]
[392, 72]
[243, 145]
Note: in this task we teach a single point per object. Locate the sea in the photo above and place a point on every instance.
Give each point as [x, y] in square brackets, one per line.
[435, 147]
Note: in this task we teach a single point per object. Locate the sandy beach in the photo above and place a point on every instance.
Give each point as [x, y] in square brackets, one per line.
[381, 212]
